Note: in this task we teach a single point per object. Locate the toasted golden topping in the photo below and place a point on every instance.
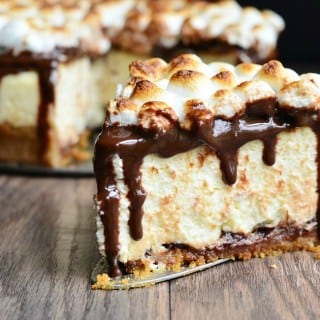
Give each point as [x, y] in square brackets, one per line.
[135, 25]
[156, 116]
[41, 26]
[151, 69]
[189, 89]
[195, 110]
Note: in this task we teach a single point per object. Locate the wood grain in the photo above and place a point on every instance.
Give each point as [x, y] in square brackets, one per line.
[47, 252]
[48, 249]
[286, 287]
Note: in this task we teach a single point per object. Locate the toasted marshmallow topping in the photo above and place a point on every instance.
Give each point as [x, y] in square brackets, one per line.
[154, 23]
[186, 88]
[136, 25]
[41, 26]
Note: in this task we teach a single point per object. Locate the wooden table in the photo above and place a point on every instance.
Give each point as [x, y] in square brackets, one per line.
[48, 249]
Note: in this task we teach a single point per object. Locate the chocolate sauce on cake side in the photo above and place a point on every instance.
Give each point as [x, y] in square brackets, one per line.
[263, 121]
[45, 65]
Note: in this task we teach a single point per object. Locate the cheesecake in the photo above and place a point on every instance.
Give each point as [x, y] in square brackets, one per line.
[202, 161]
[61, 61]
[51, 81]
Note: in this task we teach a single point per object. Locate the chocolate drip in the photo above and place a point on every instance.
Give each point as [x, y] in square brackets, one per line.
[46, 85]
[110, 219]
[316, 129]
[262, 121]
[269, 150]
[226, 137]
[136, 194]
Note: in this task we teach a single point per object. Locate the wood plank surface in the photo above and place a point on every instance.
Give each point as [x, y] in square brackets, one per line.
[48, 249]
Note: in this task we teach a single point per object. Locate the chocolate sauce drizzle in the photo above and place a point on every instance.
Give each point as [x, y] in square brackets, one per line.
[263, 120]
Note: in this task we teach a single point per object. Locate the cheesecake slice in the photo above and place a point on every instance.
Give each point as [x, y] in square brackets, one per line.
[51, 86]
[62, 60]
[199, 161]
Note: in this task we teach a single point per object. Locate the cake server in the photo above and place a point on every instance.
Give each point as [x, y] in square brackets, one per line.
[130, 281]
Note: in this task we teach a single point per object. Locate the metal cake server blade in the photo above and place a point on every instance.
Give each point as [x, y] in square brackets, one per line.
[130, 281]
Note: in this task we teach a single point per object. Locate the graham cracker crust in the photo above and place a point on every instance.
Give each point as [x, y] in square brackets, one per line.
[260, 243]
[22, 145]
[19, 144]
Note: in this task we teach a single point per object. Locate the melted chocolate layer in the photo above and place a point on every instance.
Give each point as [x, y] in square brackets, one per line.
[262, 121]
[213, 47]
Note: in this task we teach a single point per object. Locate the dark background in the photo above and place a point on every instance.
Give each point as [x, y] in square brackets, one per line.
[299, 44]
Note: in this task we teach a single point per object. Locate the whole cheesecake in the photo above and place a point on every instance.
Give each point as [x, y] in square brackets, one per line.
[200, 161]
[62, 60]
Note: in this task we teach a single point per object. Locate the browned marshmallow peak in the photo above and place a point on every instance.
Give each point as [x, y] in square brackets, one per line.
[168, 109]
[140, 27]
